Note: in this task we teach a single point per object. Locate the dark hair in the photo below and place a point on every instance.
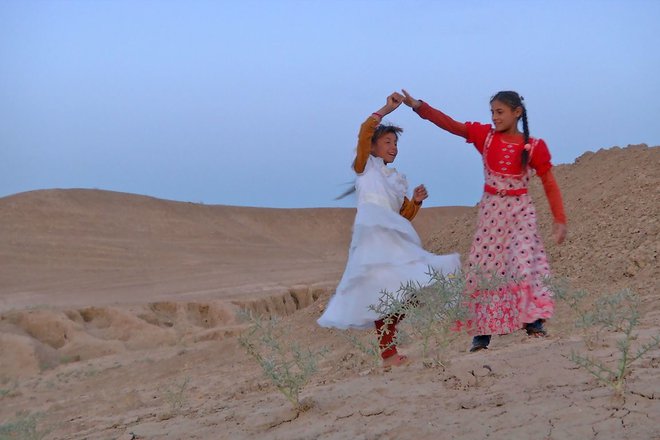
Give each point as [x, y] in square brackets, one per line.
[383, 129]
[514, 100]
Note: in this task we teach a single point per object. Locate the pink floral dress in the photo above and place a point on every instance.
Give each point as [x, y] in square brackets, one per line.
[507, 263]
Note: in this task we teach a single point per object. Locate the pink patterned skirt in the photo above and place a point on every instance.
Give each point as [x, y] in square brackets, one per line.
[507, 263]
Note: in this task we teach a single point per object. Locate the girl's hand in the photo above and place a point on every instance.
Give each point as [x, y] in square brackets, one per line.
[559, 232]
[410, 101]
[393, 101]
[419, 194]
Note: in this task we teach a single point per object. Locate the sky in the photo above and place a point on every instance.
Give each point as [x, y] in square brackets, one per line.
[258, 103]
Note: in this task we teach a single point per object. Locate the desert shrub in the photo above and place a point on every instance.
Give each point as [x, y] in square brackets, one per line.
[175, 394]
[580, 303]
[367, 345]
[618, 313]
[8, 388]
[431, 311]
[25, 427]
[284, 362]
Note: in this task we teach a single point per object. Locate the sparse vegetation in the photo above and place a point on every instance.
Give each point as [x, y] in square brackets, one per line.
[8, 389]
[25, 427]
[617, 313]
[367, 345]
[175, 394]
[284, 362]
[69, 359]
[431, 313]
[579, 302]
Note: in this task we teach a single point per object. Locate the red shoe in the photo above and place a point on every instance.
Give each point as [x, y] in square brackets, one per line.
[396, 361]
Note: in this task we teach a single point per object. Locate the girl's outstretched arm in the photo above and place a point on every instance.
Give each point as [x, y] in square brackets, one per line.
[440, 119]
[553, 194]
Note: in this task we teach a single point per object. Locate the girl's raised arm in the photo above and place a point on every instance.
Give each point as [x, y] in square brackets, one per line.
[369, 127]
[410, 101]
[440, 119]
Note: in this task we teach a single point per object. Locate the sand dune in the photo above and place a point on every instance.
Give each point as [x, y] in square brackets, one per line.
[75, 247]
[86, 273]
[111, 302]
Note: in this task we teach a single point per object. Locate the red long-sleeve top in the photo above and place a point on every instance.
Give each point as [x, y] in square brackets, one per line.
[476, 134]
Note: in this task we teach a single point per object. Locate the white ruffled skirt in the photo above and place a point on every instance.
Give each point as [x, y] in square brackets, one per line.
[385, 253]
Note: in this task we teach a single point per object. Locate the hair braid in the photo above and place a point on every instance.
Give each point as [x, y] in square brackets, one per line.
[514, 100]
[525, 152]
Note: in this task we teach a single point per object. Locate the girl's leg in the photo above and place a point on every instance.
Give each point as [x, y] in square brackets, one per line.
[386, 333]
[480, 342]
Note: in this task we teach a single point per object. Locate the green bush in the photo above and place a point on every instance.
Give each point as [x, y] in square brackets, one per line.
[618, 313]
[24, 428]
[283, 361]
[175, 394]
[431, 312]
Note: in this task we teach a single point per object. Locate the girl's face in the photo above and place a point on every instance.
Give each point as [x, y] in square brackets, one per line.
[385, 147]
[505, 119]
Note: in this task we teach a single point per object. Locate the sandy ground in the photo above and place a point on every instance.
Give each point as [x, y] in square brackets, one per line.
[118, 319]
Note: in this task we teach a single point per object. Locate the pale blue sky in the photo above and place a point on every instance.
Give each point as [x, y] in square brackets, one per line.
[258, 103]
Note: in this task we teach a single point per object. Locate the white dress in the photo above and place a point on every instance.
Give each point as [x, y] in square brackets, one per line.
[385, 250]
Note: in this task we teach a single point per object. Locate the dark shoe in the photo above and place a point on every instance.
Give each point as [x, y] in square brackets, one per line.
[536, 329]
[480, 343]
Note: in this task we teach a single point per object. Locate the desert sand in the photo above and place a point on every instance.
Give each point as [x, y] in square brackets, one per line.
[119, 320]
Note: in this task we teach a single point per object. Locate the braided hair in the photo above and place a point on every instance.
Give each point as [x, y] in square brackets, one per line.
[514, 100]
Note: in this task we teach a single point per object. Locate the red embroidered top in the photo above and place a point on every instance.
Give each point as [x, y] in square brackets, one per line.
[503, 157]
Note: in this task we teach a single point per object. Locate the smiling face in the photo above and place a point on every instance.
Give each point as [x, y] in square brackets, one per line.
[385, 147]
[505, 118]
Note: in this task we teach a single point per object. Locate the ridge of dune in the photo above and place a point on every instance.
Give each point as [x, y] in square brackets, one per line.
[61, 246]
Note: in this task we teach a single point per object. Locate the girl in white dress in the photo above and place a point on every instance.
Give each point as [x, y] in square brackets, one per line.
[385, 250]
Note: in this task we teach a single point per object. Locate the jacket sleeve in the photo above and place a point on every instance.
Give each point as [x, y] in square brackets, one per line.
[409, 209]
[554, 196]
[473, 132]
[440, 119]
[367, 130]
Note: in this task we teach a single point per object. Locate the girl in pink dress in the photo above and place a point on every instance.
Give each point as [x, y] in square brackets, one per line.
[507, 246]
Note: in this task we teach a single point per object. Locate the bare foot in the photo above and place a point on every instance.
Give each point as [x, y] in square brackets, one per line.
[396, 360]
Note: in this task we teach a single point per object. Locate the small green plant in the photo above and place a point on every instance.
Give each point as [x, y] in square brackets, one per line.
[615, 377]
[618, 312]
[368, 346]
[24, 428]
[284, 362]
[4, 392]
[69, 359]
[431, 312]
[174, 395]
[581, 306]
